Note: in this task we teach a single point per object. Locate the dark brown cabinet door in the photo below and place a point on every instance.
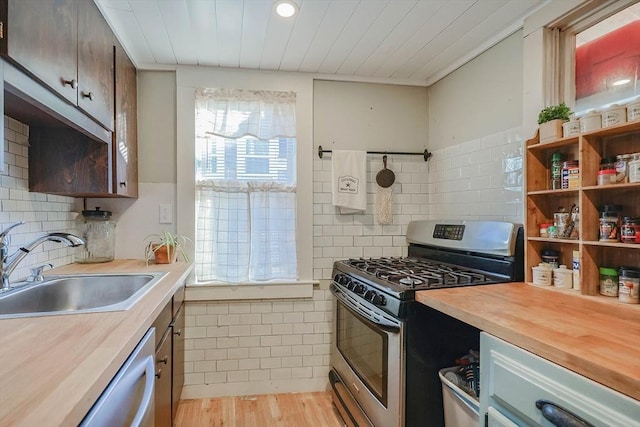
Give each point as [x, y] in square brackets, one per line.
[95, 64]
[178, 358]
[42, 36]
[64, 161]
[163, 382]
[125, 137]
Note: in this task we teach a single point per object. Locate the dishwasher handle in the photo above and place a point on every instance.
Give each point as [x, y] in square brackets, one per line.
[149, 384]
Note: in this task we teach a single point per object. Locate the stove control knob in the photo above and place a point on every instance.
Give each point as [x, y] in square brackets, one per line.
[338, 277]
[350, 284]
[379, 300]
[359, 288]
[370, 295]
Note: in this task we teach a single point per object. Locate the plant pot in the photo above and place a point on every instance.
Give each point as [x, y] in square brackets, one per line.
[162, 254]
[551, 130]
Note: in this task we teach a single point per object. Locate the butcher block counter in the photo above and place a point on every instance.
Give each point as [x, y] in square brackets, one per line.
[597, 339]
[53, 368]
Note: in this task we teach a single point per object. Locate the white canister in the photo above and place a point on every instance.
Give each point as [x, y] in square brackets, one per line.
[563, 277]
[590, 122]
[571, 128]
[615, 115]
[633, 111]
[542, 274]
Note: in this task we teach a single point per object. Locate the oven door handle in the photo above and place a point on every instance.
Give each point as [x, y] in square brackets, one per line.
[368, 316]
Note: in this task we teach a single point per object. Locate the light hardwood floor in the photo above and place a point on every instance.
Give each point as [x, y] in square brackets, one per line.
[269, 410]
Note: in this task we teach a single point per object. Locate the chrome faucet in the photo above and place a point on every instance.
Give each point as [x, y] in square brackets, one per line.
[10, 262]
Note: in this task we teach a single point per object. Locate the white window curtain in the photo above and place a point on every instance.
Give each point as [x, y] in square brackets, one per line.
[245, 186]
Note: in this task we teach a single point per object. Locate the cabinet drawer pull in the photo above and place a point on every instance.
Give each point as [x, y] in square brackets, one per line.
[559, 416]
[164, 360]
[178, 332]
[73, 83]
[159, 373]
[123, 183]
[87, 95]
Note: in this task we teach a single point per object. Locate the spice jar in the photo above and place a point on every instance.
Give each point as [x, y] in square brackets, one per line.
[99, 233]
[606, 176]
[610, 224]
[629, 285]
[570, 174]
[608, 282]
[607, 163]
[621, 166]
[630, 230]
[544, 229]
[556, 171]
[551, 258]
[633, 168]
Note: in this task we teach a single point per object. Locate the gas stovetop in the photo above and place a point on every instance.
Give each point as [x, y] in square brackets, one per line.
[442, 254]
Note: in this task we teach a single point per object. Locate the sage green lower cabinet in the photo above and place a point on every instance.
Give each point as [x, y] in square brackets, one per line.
[517, 386]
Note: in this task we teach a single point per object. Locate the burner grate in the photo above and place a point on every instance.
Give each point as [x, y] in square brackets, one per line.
[419, 273]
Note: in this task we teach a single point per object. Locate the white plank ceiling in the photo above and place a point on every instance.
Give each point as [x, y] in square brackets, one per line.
[404, 41]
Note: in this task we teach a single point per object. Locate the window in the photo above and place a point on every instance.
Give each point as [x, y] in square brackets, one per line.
[607, 61]
[245, 150]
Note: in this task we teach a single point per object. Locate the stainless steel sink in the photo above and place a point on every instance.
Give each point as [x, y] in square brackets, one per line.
[76, 294]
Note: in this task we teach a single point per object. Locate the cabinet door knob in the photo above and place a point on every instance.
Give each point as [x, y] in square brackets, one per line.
[178, 332]
[73, 83]
[164, 360]
[87, 95]
[159, 373]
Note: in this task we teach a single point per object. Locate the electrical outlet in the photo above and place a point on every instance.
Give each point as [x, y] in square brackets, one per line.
[166, 213]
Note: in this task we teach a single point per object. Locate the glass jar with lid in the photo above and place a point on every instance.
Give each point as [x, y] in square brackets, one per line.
[99, 233]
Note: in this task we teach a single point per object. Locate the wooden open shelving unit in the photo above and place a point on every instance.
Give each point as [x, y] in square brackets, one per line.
[541, 202]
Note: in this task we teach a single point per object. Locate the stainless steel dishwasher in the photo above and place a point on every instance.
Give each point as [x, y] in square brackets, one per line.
[128, 399]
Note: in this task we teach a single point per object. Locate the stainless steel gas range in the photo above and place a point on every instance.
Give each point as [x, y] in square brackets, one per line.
[388, 348]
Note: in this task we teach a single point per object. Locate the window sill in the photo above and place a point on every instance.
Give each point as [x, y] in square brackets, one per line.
[223, 292]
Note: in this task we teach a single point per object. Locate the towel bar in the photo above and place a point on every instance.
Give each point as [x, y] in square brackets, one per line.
[426, 154]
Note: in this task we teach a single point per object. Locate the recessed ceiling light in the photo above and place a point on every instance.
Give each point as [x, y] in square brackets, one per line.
[621, 82]
[286, 8]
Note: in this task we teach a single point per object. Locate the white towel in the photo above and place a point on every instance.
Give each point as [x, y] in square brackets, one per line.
[349, 180]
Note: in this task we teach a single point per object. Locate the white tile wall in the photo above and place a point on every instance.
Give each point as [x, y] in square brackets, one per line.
[42, 212]
[261, 346]
[337, 236]
[479, 179]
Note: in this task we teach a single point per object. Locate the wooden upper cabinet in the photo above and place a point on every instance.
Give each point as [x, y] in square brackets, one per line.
[42, 37]
[68, 46]
[125, 137]
[95, 64]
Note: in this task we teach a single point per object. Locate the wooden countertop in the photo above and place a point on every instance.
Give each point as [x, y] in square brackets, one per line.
[53, 368]
[595, 338]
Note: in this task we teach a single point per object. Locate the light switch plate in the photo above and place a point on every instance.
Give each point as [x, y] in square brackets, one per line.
[166, 213]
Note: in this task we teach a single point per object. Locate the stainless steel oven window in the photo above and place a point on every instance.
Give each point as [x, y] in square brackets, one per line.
[365, 348]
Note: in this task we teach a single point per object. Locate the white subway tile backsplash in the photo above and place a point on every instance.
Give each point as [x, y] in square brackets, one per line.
[18, 204]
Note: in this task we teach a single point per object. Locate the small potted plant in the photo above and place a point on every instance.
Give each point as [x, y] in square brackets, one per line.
[164, 247]
[551, 119]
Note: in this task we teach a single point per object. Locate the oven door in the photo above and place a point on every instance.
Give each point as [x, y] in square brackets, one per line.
[367, 352]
